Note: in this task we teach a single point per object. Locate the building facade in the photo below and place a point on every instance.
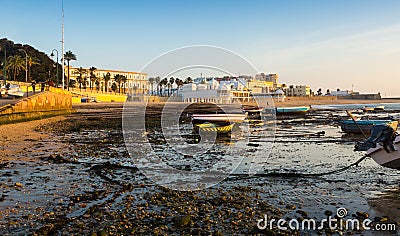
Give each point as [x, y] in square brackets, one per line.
[260, 86]
[298, 91]
[135, 82]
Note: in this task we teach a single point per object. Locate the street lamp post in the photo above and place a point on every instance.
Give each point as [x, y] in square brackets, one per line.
[52, 55]
[26, 70]
[62, 45]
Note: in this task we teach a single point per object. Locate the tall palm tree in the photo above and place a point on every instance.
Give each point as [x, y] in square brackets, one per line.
[92, 76]
[15, 64]
[97, 83]
[106, 78]
[284, 88]
[170, 84]
[81, 76]
[31, 61]
[158, 80]
[124, 79]
[69, 56]
[163, 84]
[114, 87]
[151, 81]
[118, 80]
[179, 83]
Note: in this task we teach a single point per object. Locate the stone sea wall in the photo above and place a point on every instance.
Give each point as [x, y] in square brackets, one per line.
[39, 106]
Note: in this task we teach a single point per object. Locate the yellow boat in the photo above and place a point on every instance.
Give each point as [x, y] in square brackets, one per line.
[209, 127]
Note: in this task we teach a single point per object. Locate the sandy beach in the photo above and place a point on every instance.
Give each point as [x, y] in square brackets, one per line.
[17, 138]
[73, 175]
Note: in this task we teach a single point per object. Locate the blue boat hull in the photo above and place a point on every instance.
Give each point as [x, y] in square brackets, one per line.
[291, 110]
[349, 126]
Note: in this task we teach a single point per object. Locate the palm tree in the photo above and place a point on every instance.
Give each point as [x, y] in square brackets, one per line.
[151, 81]
[188, 80]
[114, 87]
[158, 80]
[118, 80]
[107, 78]
[31, 62]
[69, 56]
[81, 76]
[92, 76]
[97, 83]
[15, 64]
[179, 83]
[124, 79]
[284, 86]
[171, 82]
[163, 84]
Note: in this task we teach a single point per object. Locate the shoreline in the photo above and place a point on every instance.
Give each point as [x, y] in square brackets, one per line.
[306, 102]
[289, 102]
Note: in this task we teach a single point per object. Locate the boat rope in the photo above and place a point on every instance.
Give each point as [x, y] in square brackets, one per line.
[298, 175]
[98, 167]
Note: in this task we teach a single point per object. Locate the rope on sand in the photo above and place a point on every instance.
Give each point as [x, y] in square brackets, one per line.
[299, 175]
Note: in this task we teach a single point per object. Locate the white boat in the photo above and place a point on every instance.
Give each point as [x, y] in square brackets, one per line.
[383, 158]
[253, 109]
[228, 118]
[383, 146]
[12, 91]
[15, 93]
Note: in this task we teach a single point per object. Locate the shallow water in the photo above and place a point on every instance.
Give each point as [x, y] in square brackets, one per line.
[299, 146]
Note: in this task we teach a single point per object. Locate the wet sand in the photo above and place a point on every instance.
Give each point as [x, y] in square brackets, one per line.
[73, 175]
[15, 139]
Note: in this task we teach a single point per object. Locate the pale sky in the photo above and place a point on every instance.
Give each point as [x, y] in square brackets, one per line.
[325, 44]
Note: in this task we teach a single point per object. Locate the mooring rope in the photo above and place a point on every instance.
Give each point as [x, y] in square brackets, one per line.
[298, 175]
[97, 167]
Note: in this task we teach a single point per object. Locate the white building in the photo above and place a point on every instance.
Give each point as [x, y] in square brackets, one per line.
[210, 90]
[341, 93]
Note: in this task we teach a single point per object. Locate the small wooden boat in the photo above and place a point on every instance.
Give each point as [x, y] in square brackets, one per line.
[365, 126]
[253, 113]
[368, 109]
[253, 109]
[292, 110]
[373, 108]
[218, 118]
[209, 127]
